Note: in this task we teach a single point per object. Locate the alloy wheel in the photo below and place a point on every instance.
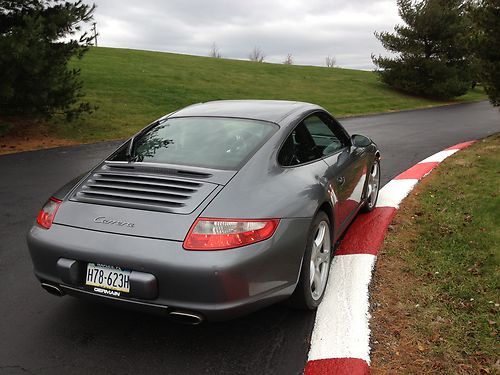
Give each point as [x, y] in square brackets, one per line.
[320, 260]
[373, 185]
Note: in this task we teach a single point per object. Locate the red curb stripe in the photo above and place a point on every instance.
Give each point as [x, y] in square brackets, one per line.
[366, 234]
[461, 146]
[337, 366]
[417, 171]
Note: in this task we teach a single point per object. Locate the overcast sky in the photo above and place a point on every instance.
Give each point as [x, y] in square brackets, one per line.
[308, 29]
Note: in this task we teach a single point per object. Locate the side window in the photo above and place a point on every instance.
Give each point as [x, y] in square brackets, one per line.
[311, 139]
[324, 138]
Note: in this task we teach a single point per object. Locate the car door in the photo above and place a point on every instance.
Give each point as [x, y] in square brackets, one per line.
[345, 173]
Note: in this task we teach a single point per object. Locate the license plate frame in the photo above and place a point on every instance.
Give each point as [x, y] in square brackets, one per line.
[107, 277]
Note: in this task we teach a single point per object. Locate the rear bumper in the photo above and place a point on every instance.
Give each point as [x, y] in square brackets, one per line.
[217, 284]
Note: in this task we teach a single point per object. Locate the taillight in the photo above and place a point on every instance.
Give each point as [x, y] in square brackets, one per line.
[48, 212]
[222, 234]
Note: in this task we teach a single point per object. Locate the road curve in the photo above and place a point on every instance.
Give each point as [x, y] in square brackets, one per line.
[45, 335]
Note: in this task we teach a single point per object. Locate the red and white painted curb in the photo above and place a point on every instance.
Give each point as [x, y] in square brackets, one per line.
[340, 342]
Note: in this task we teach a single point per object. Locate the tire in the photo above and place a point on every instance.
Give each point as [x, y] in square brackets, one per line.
[311, 287]
[372, 187]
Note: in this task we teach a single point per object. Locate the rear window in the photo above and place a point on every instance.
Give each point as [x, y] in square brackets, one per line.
[211, 142]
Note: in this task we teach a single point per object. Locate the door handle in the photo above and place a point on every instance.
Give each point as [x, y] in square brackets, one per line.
[340, 180]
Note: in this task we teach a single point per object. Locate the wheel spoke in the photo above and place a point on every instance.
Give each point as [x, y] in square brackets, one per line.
[314, 252]
[324, 257]
[312, 272]
[320, 236]
[317, 282]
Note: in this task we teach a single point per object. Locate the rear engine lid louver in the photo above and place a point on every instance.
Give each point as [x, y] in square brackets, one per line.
[144, 188]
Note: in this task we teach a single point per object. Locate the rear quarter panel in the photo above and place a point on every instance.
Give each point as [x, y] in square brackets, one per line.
[264, 189]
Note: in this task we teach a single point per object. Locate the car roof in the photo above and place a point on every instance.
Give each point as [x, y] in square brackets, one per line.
[266, 110]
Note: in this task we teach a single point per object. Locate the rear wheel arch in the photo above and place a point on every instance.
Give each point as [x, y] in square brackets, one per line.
[325, 207]
[301, 297]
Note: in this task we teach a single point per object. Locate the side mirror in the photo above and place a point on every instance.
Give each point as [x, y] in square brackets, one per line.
[358, 140]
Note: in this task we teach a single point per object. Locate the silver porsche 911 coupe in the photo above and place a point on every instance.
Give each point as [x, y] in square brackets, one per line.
[210, 212]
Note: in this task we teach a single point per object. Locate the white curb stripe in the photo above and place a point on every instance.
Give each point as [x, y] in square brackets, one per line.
[439, 157]
[394, 192]
[341, 327]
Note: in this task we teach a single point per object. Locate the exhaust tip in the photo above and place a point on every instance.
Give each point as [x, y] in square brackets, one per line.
[53, 289]
[186, 317]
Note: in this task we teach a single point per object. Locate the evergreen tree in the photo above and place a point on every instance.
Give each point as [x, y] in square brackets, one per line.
[487, 47]
[37, 39]
[431, 49]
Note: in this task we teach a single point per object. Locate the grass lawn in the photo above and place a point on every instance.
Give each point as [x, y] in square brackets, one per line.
[436, 288]
[132, 88]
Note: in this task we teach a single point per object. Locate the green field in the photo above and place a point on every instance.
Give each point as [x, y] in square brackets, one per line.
[132, 88]
[443, 254]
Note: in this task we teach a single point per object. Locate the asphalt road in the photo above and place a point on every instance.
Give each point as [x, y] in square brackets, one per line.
[42, 334]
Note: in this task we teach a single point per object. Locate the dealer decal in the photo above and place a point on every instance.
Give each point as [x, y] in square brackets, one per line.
[113, 293]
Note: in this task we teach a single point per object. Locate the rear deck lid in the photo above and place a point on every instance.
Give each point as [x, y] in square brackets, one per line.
[141, 200]
[145, 187]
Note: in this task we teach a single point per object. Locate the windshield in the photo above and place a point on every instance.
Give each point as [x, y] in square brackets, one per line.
[212, 142]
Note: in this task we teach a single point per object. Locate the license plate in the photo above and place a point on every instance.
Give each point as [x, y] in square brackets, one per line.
[108, 277]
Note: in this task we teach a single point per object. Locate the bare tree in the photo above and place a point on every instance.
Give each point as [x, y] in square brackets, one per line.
[256, 55]
[331, 61]
[288, 60]
[215, 52]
